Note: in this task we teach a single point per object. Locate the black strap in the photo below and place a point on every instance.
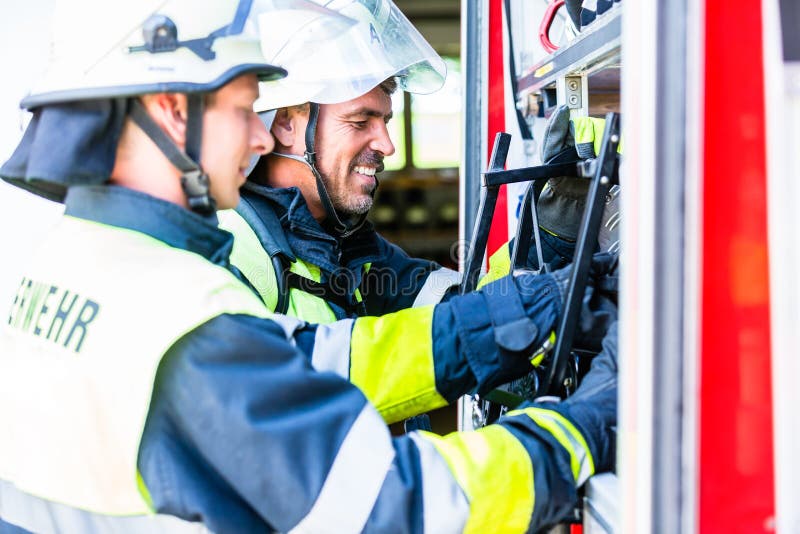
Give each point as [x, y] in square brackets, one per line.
[264, 223]
[333, 222]
[194, 181]
[325, 292]
[162, 141]
[194, 125]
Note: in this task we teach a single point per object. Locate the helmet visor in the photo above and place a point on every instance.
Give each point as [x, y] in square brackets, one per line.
[382, 44]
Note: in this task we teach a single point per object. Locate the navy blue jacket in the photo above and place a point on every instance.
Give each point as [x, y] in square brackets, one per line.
[244, 435]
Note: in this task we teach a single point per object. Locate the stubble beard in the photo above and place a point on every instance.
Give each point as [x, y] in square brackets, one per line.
[346, 203]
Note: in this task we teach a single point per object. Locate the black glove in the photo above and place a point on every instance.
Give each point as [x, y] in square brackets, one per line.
[501, 325]
[598, 306]
[594, 404]
[562, 203]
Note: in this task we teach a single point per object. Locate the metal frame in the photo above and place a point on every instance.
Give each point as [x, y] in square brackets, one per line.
[474, 22]
[637, 291]
[603, 171]
[597, 46]
[693, 149]
[669, 266]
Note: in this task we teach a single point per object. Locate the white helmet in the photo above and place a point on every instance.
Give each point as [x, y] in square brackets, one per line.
[383, 44]
[185, 46]
[150, 46]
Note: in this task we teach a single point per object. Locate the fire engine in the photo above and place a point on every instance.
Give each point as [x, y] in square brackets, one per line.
[709, 99]
[708, 96]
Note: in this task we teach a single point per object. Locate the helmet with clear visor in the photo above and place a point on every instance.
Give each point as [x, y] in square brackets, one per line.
[382, 44]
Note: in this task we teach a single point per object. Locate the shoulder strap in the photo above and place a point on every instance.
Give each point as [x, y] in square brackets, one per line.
[323, 291]
[269, 231]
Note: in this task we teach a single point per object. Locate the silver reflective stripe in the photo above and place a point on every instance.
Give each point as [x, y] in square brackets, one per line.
[289, 325]
[46, 517]
[436, 285]
[332, 348]
[355, 479]
[445, 507]
[576, 449]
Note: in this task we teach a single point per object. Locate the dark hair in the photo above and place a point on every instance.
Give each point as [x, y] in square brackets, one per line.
[389, 85]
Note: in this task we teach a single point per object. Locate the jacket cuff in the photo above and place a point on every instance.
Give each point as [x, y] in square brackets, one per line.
[485, 321]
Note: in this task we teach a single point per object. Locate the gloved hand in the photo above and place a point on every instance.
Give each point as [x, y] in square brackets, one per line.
[592, 409]
[501, 325]
[562, 202]
[598, 306]
[594, 404]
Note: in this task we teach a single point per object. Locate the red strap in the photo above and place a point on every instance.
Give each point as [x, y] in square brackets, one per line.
[547, 21]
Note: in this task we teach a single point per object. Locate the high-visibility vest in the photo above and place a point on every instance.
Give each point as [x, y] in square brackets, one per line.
[79, 350]
[267, 276]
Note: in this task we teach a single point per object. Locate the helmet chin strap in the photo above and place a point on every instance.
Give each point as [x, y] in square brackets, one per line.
[338, 227]
[194, 181]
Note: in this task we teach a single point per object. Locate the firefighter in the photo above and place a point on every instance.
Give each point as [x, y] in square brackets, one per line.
[301, 236]
[309, 250]
[144, 388]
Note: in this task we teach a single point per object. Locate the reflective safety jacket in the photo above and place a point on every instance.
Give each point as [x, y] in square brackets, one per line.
[144, 389]
[301, 270]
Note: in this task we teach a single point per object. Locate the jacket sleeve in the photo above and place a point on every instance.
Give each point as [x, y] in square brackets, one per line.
[245, 436]
[556, 253]
[397, 281]
[419, 359]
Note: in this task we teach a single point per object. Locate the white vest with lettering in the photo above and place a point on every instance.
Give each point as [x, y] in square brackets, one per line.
[75, 387]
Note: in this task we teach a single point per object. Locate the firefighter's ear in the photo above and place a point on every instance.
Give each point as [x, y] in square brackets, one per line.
[169, 111]
[289, 129]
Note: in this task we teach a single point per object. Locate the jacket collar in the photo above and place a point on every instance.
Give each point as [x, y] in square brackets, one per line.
[307, 238]
[174, 225]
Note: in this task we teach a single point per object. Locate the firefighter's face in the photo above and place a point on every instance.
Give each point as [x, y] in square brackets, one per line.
[232, 132]
[351, 142]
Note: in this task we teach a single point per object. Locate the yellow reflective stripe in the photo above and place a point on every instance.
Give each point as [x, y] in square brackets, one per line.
[495, 472]
[590, 130]
[306, 306]
[542, 351]
[249, 256]
[568, 436]
[499, 266]
[143, 491]
[391, 361]
[357, 292]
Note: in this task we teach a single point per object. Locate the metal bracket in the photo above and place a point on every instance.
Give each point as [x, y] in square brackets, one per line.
[573, 92]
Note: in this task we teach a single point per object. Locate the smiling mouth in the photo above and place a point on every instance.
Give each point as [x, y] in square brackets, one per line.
[366, 171]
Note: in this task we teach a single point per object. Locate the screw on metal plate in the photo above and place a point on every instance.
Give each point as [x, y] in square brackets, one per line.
[573, 85]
